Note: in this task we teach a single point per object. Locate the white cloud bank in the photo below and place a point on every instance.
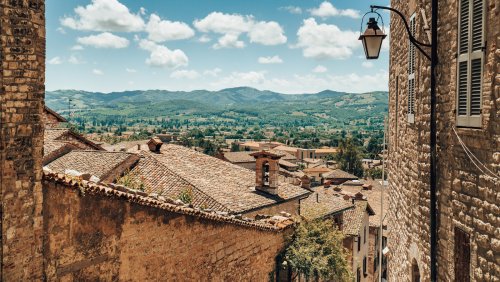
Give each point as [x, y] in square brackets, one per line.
[55, 61]
[325, 41]
[104, 15]
[163, 30]
[104, 40]
[320, 69]
[161, 56]
[326, 9]
[232, 26]
[185, 74]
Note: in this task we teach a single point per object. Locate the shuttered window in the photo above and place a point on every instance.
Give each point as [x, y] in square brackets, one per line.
[470, 62]
[411, 73]
[462, 255]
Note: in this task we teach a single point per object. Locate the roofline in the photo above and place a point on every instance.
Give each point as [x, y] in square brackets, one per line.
[302, 196]
[131, 196]
[57, 115]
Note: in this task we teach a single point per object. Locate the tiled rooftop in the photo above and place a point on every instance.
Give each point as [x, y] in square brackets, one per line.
[229, 185]
[96, 163]
[353, 219]
[339, 174]
[244, 157]
[324, 202]
[274, 224]
[56, 138]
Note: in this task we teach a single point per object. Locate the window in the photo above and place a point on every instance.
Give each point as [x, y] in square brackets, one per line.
[470, 63]
[411, 73]
[415, 271]
[358, 275]
[462, 255]
[364, 236]
[359, 243]
[265, 174]
[365, 271]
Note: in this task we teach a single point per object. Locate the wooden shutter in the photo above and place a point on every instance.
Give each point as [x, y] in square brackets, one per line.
[411, 73]
[462, 255]
[470, 63]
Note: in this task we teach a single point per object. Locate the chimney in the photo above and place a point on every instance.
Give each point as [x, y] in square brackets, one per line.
[306, 182]
[359, 196]
[154, 145]
[266, 171]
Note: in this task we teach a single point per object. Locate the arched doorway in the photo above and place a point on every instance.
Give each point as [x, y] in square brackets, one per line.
[415, 271]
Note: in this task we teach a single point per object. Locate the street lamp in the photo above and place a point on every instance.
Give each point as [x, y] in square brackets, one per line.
[372, 49]
[372, 39]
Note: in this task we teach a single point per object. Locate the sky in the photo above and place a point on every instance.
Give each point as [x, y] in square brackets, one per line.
[296, 46]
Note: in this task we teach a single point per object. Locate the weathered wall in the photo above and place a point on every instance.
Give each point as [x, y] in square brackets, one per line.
[22, 74]
[91, 237]
[467, 197]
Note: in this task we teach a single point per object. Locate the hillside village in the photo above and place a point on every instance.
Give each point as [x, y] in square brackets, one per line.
[183, 204]
[232, 184]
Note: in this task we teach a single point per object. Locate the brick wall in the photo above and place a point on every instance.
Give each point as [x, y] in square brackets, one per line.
[467, 197]
[91, 237]
[22, 75]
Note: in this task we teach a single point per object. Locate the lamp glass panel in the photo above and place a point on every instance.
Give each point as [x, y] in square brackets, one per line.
[372, 46]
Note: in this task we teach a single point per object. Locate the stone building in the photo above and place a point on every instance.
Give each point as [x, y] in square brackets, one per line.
[56, 227]
[468, 142]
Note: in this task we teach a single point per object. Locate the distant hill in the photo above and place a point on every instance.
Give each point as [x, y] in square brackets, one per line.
[240, 96]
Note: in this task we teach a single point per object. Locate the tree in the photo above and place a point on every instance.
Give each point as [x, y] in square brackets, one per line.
[317, 252]
[348, 158]
[374, 148]
[235, 147]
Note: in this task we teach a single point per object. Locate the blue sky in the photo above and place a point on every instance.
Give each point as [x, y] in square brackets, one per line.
[294, 46]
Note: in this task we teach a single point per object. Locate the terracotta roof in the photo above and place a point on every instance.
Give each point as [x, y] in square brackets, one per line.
[327, 150]
[158, 178]
[96, 163]
[317, 169]
[55, 114]
[61, 136]
[287, 149]
[324, 202]
[120, 193]
[353, 219]
[354, 182]
[339, 174]
[287, 163]
[374, 199]
[239, 157]
[228, 184]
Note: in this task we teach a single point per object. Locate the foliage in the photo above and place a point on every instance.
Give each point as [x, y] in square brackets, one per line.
[376, 173]
[186, 196]
[348, 157]
[317, 252]
[132, 180]
[235, 147]
[374, 147]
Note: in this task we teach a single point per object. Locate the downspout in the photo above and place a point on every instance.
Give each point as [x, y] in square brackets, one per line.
[433, 141]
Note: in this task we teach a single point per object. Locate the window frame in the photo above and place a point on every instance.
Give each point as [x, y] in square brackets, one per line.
[411, 87]
[468, 120]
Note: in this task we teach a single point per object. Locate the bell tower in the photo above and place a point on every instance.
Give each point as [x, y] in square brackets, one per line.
[266, 171]
[22, 79]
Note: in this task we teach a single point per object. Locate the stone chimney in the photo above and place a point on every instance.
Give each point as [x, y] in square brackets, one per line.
[154, 144]
[305, 182]
[266, 171]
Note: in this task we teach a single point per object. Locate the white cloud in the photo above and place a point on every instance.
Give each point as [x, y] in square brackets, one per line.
[270, 60]
[97, 72]
[104, 15]
[229, 40]
[130, 70]
[326, 9]
[185, 74]
[161, 56]
[267, 33]
[236, 79]
[104, 40]
[367, 64]
[55, 61]
[325, 41]
[320, 69]
[162, 30]
[75, 60]
[213, 72]
[204, 39]
[77, 48]
[292, 9]
[224, 23]
[142, 11]
[231, 26]
[61, 30]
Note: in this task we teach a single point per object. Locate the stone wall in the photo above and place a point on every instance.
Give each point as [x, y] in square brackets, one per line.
[22, 75]
[97, 237]
[468, 198]
[291, 207]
